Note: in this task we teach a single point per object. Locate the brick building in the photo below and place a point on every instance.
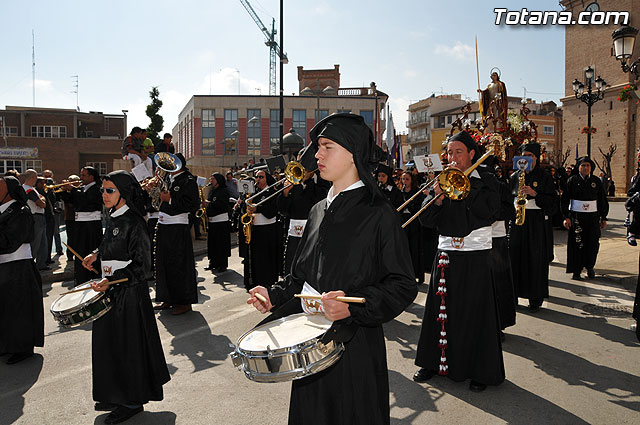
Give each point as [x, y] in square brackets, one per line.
[616, 122]
[62, 140]
[215, 132]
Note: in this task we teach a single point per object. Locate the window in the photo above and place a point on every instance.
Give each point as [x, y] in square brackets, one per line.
[35, 164]
[440, 122]
[449, 119]
[321, 113]
[208, 131]
[230, 131]
[100, 166]
[10, 164]
[9, 131]
[274, 130]
[368, 118]
[300, 123]
[547, 130]
[48, 131]
[253, 132]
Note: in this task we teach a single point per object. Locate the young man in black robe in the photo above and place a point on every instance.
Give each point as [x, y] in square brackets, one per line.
[219, 233]
[87, 227]
[352, 244]
[129, 367]
[585, 208]
[21, 309]
[529, 243]
[175, 265]
[460, 335]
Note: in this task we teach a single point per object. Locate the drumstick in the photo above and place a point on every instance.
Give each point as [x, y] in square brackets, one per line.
[260, 298]
[84, 289]
[78, 256]
[341, 299]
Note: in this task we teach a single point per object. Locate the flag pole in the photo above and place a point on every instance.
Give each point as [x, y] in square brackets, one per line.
[478, 75]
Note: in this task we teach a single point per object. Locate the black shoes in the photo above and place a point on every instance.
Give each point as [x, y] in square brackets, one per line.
[104, 407]
[18, 357]
[591, 273]
[576, 276]
[534, 308]
[423, 375]
[477, 387]
[121, 414]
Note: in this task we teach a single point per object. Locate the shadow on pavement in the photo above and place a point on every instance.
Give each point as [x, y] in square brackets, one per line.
[193, 339]
[155, 418]
[580, 289]
[15, 382]
[620, 387]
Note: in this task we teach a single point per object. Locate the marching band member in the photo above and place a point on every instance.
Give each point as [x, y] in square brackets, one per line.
[129, 367]
[87, 227]
[219, 234]
[413, 230]
[21, 309]
[585, 208]
[352, 243]
[460, 330]
[37, 204]
[388, 187]
[175, 264]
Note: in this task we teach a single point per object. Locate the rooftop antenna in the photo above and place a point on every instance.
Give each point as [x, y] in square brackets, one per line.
[75, 86]
[33, 65]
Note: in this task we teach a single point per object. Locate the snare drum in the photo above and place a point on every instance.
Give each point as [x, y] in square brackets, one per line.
[286, 349]
[79, 308]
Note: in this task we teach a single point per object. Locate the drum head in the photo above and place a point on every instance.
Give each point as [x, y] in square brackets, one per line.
[285, 332]
[71, 301]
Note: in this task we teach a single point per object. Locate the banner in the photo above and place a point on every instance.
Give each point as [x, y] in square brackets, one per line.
[19, 152]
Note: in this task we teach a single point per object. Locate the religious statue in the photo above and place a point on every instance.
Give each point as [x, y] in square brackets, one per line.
[494, 101]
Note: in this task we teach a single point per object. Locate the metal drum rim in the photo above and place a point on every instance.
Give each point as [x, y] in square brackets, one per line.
[89, 319]
[79, 307]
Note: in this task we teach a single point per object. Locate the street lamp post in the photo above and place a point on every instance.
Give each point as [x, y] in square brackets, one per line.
[590, 97]
[624, 39]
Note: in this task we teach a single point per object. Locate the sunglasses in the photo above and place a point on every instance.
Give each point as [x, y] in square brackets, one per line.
[260, 177]
[109, 190]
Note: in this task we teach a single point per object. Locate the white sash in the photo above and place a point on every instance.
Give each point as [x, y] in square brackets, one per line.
[311, 306]
[110, 266]
[498, 229]
[151, 215]
[89, 216]
[583, 206]
[261, 220]
[478, 240]
[22, 253]
[220, 218]
[164, 218]
[296, 227]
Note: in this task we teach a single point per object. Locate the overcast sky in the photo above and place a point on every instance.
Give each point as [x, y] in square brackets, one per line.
[121, 48]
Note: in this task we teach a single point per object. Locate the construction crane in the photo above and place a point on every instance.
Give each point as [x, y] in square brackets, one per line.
[274, 48]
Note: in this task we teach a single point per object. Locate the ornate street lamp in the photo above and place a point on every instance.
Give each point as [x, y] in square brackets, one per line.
[624, 39]
[590, 97]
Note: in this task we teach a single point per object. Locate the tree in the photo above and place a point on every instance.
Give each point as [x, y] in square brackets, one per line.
[606, 159]
[157, 122]
[558, 159]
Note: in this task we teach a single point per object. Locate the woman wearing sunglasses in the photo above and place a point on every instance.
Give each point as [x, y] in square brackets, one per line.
[129, 367]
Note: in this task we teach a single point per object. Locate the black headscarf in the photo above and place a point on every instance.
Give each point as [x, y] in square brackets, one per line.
[468, 141]
[534, 148]
[385, 169]
[581, 160]
[15, 190]
[352, 133]
[129, 189]
[184, 162]
[220, 179]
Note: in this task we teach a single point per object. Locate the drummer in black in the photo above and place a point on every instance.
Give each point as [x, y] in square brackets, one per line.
[21, 310]
[219, 233]
[352, 243]
[129, 367]
[585, 208]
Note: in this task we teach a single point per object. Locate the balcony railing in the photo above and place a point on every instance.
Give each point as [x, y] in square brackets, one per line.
[419, 120]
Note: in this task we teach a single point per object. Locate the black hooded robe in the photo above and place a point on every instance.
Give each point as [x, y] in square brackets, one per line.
[529, 243]
[584, 254]
[219, 233]
[261, 264]
[21, 308]
[472, 331]
[175, 263]
[356, 246]
[414, 233]
[129, 366]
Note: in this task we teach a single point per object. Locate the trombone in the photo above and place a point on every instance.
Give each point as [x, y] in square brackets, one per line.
[59, 187]
[294, 173]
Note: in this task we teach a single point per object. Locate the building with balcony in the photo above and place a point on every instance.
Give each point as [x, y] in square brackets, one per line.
[217, 132]
[62, 140]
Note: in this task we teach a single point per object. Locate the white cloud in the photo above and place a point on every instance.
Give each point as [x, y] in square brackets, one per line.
[458, 51]
[399, 106]
[44, 85]
[225, 81]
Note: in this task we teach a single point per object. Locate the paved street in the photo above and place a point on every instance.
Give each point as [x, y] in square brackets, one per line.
[575, 361]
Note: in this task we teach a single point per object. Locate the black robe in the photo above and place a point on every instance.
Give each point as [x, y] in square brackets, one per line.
[472, 330]
[261, 263]
[175, 263]
[393, 194]
[21, 309]
[584, 254]
[297, 206]
[87, 234]
[414, 233]
[529, 243]
[219, 234]
[128, 362]
[356, 246]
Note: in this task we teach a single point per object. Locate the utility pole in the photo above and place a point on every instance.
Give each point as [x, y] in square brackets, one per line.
[75, 86]
[33, 65]
[281, 78]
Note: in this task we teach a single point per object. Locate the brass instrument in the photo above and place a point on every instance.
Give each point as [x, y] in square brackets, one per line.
[60, 187]
[165, 163]
[202, 212]
[294, 174]
[247, 224]
[521, 200]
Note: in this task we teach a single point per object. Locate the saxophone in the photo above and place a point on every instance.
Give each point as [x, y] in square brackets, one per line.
[202, 212]
[521, 200]
[247, 224]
